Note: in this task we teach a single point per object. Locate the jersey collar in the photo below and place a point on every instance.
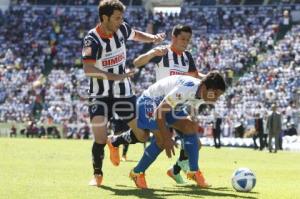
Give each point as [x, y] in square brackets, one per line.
[102, 34]
[176, 51]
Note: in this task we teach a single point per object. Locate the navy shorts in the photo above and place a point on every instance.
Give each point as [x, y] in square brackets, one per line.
[124, 108]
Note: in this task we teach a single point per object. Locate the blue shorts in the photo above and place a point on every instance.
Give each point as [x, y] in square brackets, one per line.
[146, 107]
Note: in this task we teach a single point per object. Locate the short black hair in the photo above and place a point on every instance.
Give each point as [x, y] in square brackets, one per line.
[107, 7]
[214, 80]
[181, 28]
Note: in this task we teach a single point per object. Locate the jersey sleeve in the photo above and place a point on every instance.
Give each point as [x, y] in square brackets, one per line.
[192, 66]
[89, 50]
[130, 33]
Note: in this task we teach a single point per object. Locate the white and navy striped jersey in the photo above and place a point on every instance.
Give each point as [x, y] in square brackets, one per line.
[109, 55]
[173, 64]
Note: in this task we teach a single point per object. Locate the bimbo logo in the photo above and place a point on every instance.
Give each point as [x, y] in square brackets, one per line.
[172, 72]
[113, 60]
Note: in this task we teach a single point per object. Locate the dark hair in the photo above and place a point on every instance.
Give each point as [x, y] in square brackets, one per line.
[214, 80]
[107, 7]
[181, 28]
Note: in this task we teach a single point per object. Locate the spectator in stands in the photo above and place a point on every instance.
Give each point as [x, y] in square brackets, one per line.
[291, 130]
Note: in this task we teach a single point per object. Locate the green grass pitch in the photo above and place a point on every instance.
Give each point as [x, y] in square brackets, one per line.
[61, 169]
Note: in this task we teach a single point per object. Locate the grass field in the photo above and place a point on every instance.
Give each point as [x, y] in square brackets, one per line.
[61, 169]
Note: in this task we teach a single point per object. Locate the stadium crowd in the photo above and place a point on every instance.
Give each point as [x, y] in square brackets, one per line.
[46, 41]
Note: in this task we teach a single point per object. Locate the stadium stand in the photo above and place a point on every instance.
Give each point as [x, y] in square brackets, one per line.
[241, 41]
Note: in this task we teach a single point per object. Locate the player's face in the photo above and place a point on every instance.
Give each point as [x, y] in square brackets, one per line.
[210, 95]
[182, 40]
[114, 21]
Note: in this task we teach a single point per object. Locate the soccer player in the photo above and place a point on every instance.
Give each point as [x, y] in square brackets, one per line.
[104, 57]
[158, 110]
[172, 59]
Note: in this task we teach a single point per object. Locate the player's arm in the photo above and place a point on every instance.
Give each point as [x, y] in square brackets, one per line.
[137, 35]
[148, 38]
[154, 55]
[91, 71]
[168, 143]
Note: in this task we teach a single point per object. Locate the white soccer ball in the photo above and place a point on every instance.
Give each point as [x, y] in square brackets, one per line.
[243, 179]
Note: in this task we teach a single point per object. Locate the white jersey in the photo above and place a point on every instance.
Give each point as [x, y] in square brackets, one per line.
[175, 90]
[109, 55]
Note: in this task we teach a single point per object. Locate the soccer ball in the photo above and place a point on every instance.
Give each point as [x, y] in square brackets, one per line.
[243, 179]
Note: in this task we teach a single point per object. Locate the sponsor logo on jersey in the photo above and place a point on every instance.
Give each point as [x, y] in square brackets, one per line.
[175, 72]
[189, 84]
[113, 61]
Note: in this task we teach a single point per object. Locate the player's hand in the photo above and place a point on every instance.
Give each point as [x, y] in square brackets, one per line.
[127, 74]
[158, 38]
[169, 147]
[160, 51]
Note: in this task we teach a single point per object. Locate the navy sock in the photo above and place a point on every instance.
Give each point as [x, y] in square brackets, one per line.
[182, 155]
[176, 167]
[127, 137]
[98, 155]
[191, 148]
[149, 156]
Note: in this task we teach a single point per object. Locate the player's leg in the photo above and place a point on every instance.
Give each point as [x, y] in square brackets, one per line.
[182, 163]
[191, 146]
[134, 134]
[124, 152]
[125, 108]
[99, 114]
[151, 152]
[99, 129]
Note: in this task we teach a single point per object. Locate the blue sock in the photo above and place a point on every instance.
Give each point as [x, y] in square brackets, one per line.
[191, 148]
[150, 154]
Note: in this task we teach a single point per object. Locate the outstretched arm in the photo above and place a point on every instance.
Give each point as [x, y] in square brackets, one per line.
[149, 38]
[146, 57]
[91, 71]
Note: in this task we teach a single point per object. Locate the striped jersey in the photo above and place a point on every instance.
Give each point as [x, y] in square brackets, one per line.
[109, 55]
[173, 63]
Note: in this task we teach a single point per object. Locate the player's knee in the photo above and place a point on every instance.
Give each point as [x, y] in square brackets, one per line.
[190, 128]
[100, 139]
[142, 136]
